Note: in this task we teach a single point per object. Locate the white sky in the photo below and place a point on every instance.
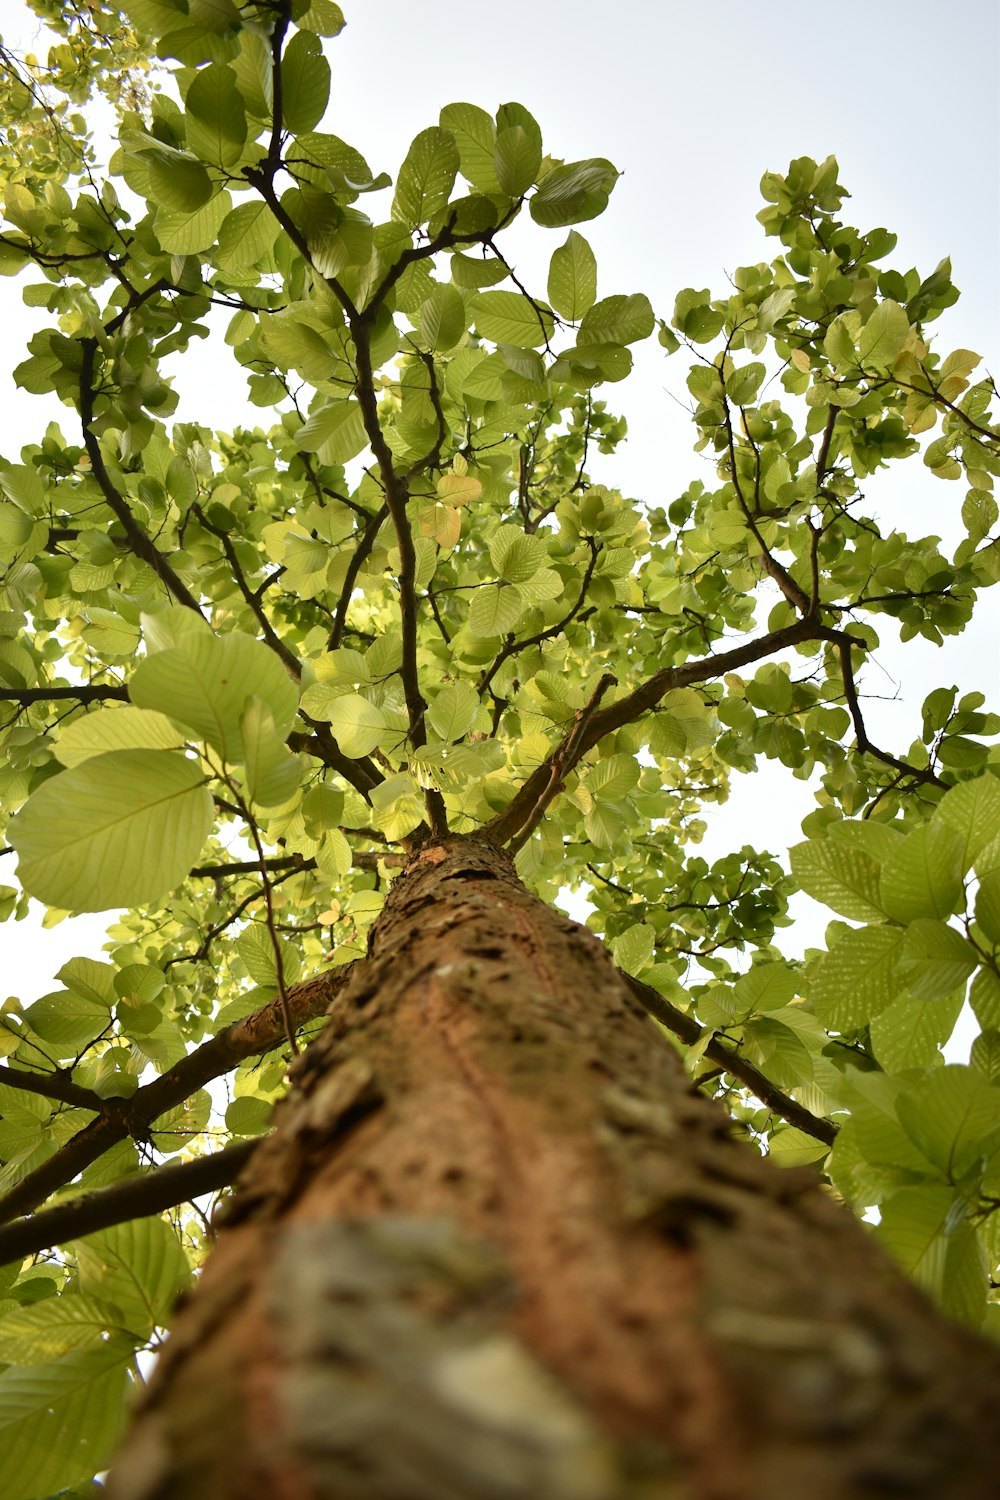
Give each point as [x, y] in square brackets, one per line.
[693, 101]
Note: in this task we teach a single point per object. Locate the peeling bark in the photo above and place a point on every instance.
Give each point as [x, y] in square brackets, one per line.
[498, 1249]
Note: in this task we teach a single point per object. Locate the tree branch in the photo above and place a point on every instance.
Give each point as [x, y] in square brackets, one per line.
[58, 1086]
[86, 693]
[138, 540]
[865, 745]
[561, 762]
[288, 659]
[362, 551]
[689, 1031]
[120, 1118]
[644, 697]
[134, 1197]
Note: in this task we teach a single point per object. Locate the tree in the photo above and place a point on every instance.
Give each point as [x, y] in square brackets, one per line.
[332, 707]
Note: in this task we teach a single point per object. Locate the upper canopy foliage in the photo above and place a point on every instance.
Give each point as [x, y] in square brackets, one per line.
[242, 673]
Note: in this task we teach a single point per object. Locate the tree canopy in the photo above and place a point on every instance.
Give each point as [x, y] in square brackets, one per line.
[243, 674]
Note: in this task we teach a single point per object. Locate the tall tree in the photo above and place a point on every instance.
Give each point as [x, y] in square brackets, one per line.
[333, 707]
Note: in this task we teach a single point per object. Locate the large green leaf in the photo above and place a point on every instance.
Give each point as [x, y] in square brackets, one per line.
[453, 711]
[573, 193]
[357, 724]
[215, 116]
[43, 1331]
[953, 1116]
[843, 878]
[935, 959]
[510, 318]
[618, 320]
[60, 1422]
[204, 682]
[884, 335]
[116, 729]
[336, 431]
[495, 610]
[119, 829]
[305, 77]
[138, 1268]
[178, 183]
[426, 177]
[273, 775]
[909, 1033]
[184, 232]
[573, 277]
[857, 978]
[67, 1023]
[973, 809]
[923, 875]
[518, 156]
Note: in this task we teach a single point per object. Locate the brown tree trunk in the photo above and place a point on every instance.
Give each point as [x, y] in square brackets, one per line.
[497, 1249]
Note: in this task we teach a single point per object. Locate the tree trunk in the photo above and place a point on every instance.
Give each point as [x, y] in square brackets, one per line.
[498, 1249]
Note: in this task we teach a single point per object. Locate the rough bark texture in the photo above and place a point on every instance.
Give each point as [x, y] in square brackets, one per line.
[498, 1250]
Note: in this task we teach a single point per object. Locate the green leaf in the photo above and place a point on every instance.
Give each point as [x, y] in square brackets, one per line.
[617, 320]
[138, 1267]
[67, 1023]
[442, 317]
[44, 1331]
[605, 823]
[766, 987]
[984, 997]
[913, 1229]
[883, 337]
[255, 947]
[857, 978]
[953, 1117]
[474, 133]
[922, 877]
[510, 318]
[357, 724]
[909, 1033]
[60, 1422]
[790, 1147]
[517, 557]
[248, 1116]
[495, 610]
[612, 778]
[453, 711]
[843, 878]
[572, 286]
[633, 948]
[988, 906]
[518, 156]
[573, 193]
[335, 431]
[115, 729]
[273, 775]
[972, 808]
[204, 683]
[178, 183]
[743, 384]
[188, 231]
[426, 177]
[247, 233]
[215, 117]
[935, 959]
[119, 829]
[305, 78]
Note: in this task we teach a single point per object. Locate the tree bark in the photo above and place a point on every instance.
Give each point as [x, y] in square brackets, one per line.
[498, 1249]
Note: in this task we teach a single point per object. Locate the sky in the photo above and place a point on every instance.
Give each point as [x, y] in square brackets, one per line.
[693, 102]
